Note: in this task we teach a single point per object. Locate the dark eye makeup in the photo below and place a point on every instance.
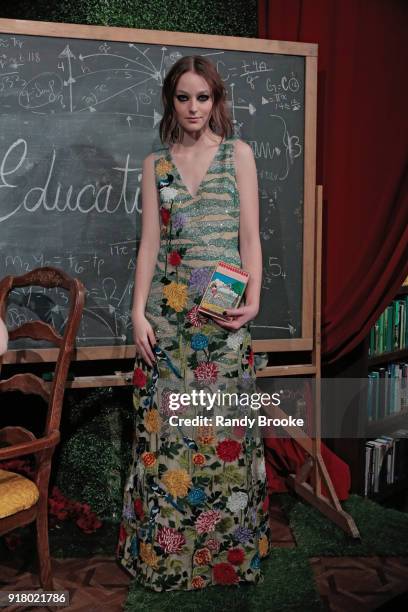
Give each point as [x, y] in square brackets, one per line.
[184, 97]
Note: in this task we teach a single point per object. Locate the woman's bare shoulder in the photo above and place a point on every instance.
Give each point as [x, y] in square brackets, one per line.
[243, 149]
[244, 156]
[151, 158]
[155, 155]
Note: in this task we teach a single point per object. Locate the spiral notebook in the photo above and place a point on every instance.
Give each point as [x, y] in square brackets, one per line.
[225, 290]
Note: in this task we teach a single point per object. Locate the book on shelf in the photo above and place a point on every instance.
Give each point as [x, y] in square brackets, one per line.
[387, 391]
[386, 461]
[390, 331]
[388, 342]
[403, 321]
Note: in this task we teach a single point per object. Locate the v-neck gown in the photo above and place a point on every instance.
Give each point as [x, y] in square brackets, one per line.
[195, 507]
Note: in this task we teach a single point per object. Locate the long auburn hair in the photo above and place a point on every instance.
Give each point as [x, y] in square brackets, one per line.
[220, 122]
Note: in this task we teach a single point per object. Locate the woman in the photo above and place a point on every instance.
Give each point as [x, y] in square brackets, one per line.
[195, 506]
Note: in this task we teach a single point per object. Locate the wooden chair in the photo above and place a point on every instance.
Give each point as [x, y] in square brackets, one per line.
[23, 501]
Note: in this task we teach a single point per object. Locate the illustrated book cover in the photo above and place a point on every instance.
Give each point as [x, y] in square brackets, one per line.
[225, 290]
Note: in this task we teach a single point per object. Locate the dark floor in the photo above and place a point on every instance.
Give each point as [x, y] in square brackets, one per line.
[345, 584]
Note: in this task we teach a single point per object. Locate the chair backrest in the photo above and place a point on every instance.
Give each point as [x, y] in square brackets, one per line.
[39, 330]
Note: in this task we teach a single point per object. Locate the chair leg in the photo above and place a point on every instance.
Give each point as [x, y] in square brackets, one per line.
[43, 547]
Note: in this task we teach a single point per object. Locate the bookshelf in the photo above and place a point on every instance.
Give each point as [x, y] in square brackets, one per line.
[386, 449]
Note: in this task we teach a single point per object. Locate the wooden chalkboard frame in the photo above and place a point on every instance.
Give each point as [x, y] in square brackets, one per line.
[307, 50]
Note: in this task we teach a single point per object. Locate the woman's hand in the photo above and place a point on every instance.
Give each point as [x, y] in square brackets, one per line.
[142, 334]
[239, 316]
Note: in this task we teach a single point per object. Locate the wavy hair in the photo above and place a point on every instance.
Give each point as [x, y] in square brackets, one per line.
[220, 121]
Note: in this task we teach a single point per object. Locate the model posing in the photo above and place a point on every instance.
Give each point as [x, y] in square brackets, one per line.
[195, 506]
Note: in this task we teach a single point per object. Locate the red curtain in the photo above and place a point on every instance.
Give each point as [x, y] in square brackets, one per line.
[361, 153]
[362, 136]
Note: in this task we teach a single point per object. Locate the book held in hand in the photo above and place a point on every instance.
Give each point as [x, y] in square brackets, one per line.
[224, 290]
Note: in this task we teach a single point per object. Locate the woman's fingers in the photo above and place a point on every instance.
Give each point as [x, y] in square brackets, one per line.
[236, 311]
[152, 337]
[233, 325]
[149, 351]
[144, 349]
[142, 353]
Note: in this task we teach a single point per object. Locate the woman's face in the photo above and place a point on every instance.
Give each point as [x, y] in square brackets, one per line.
[192, 102]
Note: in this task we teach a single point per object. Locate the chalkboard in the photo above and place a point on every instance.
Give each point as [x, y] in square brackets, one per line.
[78, 114]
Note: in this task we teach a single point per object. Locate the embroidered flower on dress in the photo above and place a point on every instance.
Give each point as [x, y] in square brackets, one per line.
[238, 500]
[167, 194]
[163, 167]
[213, 544]
[198, 582]
[207, 521]
[176, 295]
[148, 555]
[152, 421]
[171, 540]
[196, 318]
[206, 434]
[177, 482]
[149, 459]
[165, 215]
[246, 379]
[224, 573]
[199, 279]
[202, 556]
[174, 258]
[198, 459]
[236, 556]
[199, 342]
[138, 508]
[229, 450]
[206, 371]
[196, 497]
[178, 221]
[139, 378]
[128, 512]
[239, 431]
[235, 340]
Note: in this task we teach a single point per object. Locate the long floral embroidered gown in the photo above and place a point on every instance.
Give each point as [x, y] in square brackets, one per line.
[195, 506]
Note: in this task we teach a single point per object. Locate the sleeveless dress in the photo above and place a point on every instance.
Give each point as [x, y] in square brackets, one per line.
[195, 509]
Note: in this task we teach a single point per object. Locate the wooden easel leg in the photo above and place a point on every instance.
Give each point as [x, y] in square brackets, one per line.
[329, 507]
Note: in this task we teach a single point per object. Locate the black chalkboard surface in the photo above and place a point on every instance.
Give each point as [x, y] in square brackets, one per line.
[77, 118]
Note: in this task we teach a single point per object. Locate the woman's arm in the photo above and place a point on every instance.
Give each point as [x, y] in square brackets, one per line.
[146, 261]
[249, 240]
[3, 337]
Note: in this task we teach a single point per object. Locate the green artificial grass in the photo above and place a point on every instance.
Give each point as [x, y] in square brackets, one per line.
[288, 587]
[383, 531]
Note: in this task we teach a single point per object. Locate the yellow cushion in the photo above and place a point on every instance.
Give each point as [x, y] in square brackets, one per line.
[16, 493]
